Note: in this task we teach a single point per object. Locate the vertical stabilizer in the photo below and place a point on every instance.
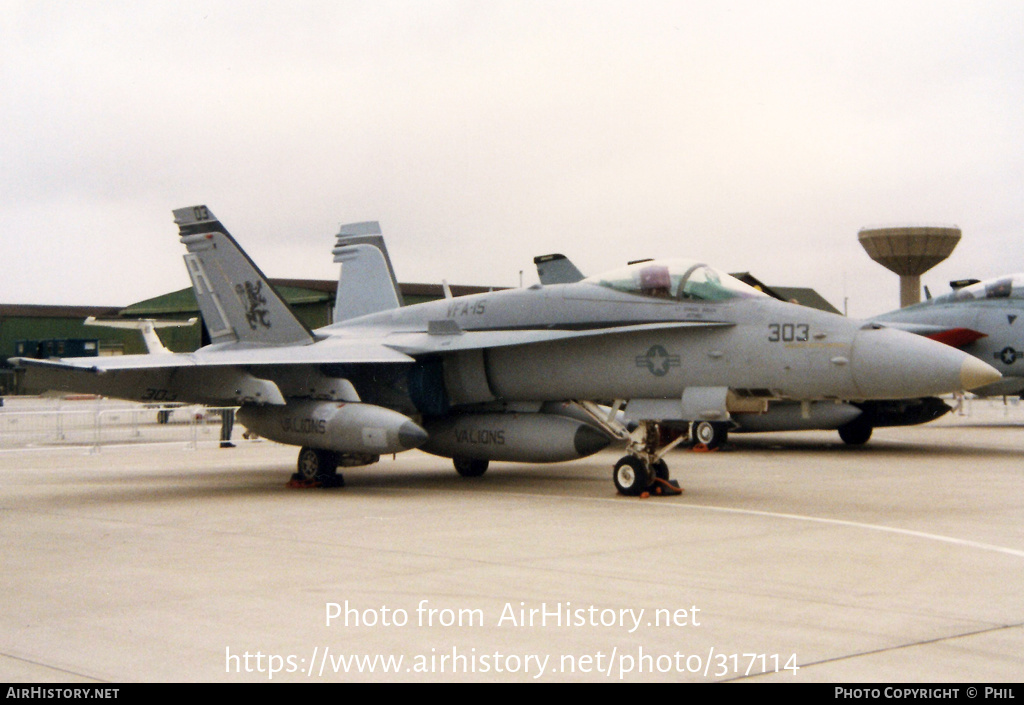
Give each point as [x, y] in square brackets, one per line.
[367, 283]
[237, 302]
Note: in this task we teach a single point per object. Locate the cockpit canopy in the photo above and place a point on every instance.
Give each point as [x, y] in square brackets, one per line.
[676, 280]
[1008, 287]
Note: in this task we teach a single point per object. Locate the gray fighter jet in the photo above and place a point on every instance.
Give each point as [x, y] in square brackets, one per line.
[982, 318]
[543, 374]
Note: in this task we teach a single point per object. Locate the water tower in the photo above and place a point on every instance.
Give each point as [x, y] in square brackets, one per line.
[910, 251]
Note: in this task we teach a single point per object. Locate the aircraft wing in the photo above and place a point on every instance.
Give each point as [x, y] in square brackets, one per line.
[330, 352]
[237, 373]
[394, 348]
[215, 377]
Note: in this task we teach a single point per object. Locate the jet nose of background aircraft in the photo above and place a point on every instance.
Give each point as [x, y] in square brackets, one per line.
[888, 363]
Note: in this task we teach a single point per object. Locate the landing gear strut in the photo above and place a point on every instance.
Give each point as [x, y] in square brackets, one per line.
[643, 469]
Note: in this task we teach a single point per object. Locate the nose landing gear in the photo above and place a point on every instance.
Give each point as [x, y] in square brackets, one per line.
[643, 470]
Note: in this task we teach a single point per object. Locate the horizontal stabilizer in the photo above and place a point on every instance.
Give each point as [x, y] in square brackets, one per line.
[146, 326]
[137, 324]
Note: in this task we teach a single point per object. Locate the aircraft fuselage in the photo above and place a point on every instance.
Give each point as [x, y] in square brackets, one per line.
[758, 346]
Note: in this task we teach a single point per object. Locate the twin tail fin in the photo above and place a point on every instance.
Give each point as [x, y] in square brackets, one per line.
[236, 300]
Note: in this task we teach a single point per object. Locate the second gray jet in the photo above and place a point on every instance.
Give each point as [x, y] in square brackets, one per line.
[982, 318]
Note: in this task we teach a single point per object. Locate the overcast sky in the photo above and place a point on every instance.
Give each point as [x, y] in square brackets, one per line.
[756, 136]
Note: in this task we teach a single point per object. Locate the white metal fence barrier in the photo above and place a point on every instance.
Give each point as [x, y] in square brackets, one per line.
[94, 425]
[31, 422]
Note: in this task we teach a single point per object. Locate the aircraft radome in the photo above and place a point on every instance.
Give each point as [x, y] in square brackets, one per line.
[519, 374]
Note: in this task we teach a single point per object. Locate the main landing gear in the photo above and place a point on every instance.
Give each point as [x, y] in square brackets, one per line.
[856, 432]
[468, 467]
[643, 469]
[709, 435]
[319, 468]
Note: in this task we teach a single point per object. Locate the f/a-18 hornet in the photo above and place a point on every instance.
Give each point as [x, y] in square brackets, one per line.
[540, 374]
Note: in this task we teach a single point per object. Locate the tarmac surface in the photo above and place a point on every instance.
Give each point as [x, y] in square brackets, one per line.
[790, 557]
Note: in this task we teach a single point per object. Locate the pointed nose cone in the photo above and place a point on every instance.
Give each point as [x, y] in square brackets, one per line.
[892, 364]
[411, 435]
[589, 440]
[974, 373]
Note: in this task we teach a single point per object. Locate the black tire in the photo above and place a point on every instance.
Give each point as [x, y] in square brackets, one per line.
[660, 468]
[317, 464]
[855, 433]
[630, 476]
[709, 433]
[470, 468]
